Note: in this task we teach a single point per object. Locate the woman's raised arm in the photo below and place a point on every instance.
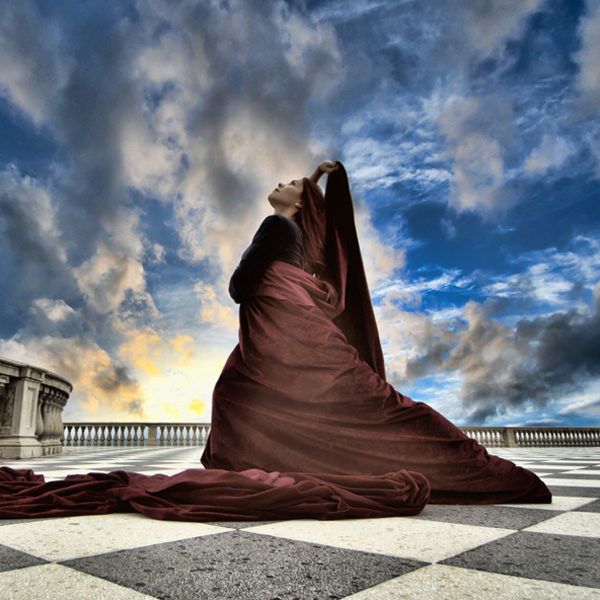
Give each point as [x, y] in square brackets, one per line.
[326, 166]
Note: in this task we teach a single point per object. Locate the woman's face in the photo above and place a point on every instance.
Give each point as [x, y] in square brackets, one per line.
[287, 194]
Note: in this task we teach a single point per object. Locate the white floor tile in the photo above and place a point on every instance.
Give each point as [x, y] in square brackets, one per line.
[45, 582]
[571, 523]
[397, 536]
[443, 582]
[75, 537]
[585, 471]
[537, 467]
[584, 483]
[558, 503]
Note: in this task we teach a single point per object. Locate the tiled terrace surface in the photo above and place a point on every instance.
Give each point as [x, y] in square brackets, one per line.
[546, 551]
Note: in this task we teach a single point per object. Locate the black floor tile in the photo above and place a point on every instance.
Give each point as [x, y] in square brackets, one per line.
[240, 564]
[505, 517]
[561, 558]
[15, 559]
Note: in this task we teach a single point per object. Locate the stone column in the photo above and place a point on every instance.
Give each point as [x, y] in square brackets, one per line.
[31, 402]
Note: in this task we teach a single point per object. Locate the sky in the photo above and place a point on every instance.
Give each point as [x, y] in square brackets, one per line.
[140, 140]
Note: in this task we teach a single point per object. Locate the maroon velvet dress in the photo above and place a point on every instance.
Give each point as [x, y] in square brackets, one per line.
[305, 389]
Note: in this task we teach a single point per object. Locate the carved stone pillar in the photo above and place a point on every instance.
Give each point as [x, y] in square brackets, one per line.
[31, 403]
[51, 403]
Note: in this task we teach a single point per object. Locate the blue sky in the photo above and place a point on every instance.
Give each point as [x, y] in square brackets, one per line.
[140, 141]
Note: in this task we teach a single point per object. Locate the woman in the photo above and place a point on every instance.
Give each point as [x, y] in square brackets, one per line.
[305, 389]
[303, 422]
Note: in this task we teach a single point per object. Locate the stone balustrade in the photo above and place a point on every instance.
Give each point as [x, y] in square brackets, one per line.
[195, 434]
[135, 434]
[534, 436]
[31, 404]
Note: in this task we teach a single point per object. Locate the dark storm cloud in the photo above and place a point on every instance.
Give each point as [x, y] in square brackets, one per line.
[536, 360]
[78, 88]
[117, 381]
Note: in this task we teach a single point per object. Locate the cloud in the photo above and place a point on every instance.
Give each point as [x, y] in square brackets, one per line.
[476, 148]
[587, 81]
[588, 78]
[214, 308]
[102, 388]
[34, 68]
[552, 277]
[170, 127]
[551, 153]
[490, 22]
[226, 72]
[502, 367]
[32, 235]
[584, 402]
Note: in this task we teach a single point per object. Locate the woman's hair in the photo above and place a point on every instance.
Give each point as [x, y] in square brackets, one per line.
[312, 222]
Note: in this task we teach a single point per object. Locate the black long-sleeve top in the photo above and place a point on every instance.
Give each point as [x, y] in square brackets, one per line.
[277, 238]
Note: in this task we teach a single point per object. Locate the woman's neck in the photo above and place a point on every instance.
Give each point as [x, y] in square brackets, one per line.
[288, 214]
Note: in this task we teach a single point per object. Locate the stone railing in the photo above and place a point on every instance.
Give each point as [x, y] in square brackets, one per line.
[534, 436]
[31, 404]
[195, 434]
[135, 434]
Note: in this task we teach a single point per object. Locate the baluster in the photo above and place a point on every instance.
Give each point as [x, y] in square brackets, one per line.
[130, 435]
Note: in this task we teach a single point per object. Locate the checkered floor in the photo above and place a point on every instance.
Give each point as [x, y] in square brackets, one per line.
[545, 551]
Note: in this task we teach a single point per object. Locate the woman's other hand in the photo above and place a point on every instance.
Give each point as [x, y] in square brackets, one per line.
[327, 166]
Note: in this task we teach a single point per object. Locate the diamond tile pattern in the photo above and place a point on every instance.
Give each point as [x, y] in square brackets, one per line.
[506, 551]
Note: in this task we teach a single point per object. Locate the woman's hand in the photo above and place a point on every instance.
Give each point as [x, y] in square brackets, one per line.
[326, 166]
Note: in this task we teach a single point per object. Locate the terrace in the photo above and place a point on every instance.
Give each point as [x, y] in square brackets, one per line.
[491, 551]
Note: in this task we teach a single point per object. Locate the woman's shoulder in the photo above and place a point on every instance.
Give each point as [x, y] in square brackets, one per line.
[278, 223]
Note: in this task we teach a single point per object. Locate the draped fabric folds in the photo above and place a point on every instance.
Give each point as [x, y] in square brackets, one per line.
[305, 388]
[212, 495]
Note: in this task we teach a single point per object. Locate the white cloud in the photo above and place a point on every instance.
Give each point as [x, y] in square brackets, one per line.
[55, 310]
[552, 152]
[115, 271]
[476, 147]
[588, 78]
[551, 276]
[215, 308]
[585, 401]
[490, 22]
